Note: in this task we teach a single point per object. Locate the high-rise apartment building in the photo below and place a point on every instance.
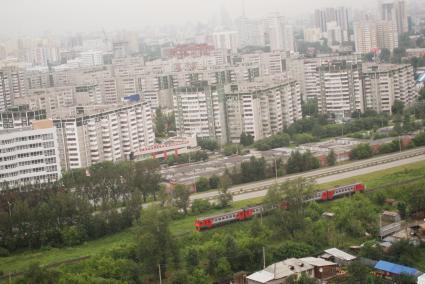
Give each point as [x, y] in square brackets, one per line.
[224, 112]
[228, 40]
[29, 155]
[261, 108]
[395, 12]
[198, 112]
[112, 133]
[341, 91]
[383, 84]
[373, 35]
[338, 17]
[280, 35]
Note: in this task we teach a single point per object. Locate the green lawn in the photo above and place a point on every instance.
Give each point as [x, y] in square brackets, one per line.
[20, 261]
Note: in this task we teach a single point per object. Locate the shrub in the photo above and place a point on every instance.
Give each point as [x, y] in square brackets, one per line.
[4, 252]
[73, 235]
[200, 205]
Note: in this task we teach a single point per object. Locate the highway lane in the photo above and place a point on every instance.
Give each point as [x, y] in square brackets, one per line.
[334, 177]
[257, 189]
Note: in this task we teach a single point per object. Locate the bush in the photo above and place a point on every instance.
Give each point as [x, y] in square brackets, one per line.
[361, 151]
[202, 184]
[391, 147]
[275, 141]
[73, 235]
[208, 144]
[303, 138]
[200, 205]
[214, 182]
[419, 139]
[4, 252]
[230, 149]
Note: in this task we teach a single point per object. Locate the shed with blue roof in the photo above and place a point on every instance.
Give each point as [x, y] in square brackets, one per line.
[390, 269]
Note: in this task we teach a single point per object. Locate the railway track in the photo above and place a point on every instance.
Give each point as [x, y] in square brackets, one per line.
[265, 184]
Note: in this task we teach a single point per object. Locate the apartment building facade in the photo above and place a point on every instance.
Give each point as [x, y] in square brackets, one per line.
[29, 155]
[383, 84]
[110, 134]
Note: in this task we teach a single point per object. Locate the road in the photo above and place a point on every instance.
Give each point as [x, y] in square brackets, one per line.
[258, 189]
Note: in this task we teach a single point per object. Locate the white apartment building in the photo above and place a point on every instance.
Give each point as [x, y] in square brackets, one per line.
[383, 84]
[341, 91]
[19, 117]
[261, 108]
[373, 35]
[107, 133]
[12, 85]
[281, 35]
[50, 99]
[195, 109]
[91, 58]
[226, 40]
[29, 155]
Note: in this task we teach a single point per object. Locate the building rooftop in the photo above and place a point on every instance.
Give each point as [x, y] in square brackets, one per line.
[315, 261]
[261, 276]
[340, 254]
[396, 268]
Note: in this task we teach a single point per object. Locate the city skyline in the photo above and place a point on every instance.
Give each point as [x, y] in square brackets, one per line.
[83, 16]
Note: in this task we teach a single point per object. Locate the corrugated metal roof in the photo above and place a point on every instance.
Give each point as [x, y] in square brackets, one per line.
[340, 254]
[261, 276]
[395, 268]
[315, 261]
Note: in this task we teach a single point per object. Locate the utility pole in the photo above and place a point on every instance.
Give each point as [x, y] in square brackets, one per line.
[159, 271]
[399, 142]
[275, 169]
[264, 257]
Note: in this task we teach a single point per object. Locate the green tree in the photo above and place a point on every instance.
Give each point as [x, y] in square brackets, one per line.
[181, 197]
[361, 151]
[147, 177]
[397, 108]
[358, 273]
[331, 158]
[199, 276]
[310, 108]
[419, 139]
[246, 139]
[214, 182]
[160, 123]
[303, 138]
[155, 243]
[223, 270]
[200, 206]
[385, 55]
[202, 184]
[208, 144]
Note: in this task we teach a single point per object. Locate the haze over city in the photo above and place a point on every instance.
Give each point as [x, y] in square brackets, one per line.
[22, 17]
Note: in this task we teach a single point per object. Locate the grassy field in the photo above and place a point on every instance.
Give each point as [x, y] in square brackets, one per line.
[20, 261]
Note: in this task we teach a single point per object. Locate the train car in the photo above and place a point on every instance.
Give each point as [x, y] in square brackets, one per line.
[209, 222]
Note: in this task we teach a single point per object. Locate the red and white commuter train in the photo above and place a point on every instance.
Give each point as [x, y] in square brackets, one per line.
[209, 222]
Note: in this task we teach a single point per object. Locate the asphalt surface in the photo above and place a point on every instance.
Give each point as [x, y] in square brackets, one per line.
[324, 175]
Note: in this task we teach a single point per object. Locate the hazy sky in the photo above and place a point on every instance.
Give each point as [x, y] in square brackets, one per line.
[23, 17]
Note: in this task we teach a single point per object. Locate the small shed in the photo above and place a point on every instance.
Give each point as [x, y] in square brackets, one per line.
[388, 269]
[389, 217]
[338, 256]
[323, 269]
